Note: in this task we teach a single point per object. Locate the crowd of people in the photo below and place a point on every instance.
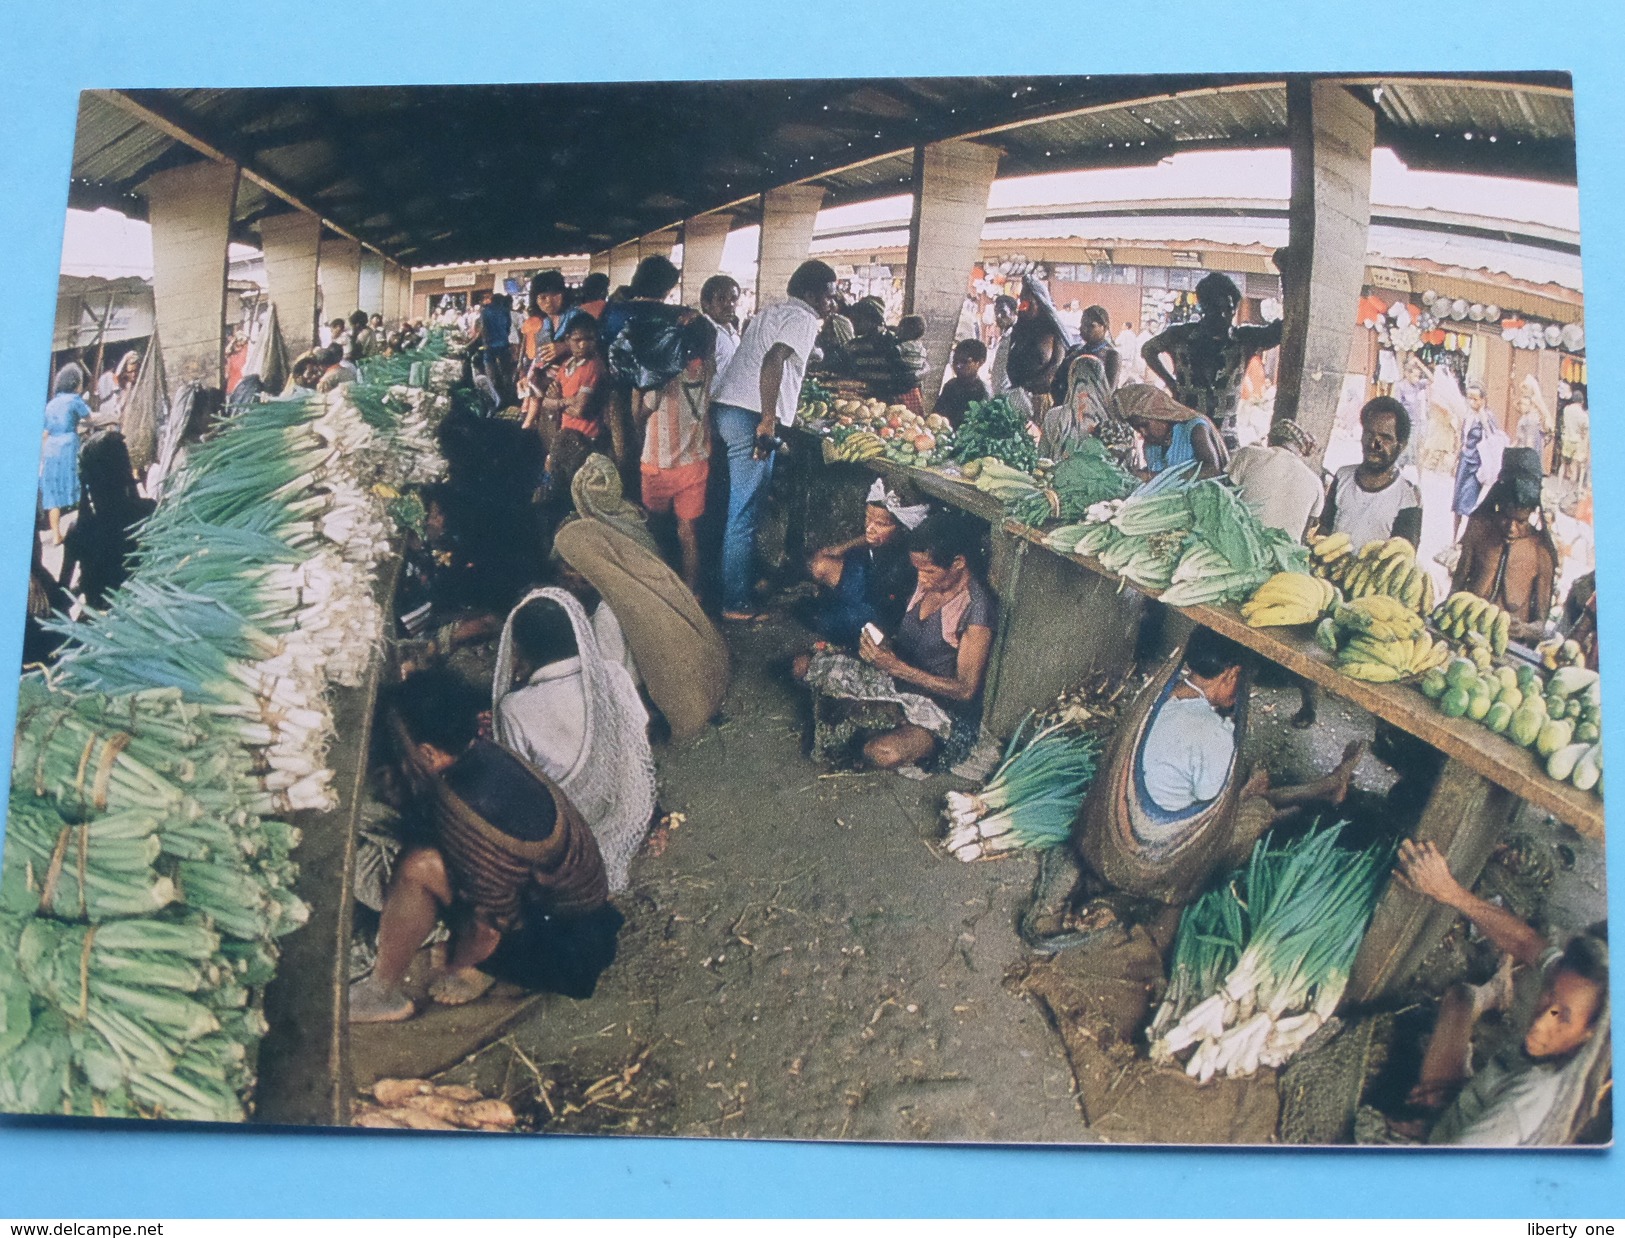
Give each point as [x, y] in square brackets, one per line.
[606, 493]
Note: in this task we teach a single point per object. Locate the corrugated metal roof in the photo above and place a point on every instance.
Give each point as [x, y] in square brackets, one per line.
[435, 174]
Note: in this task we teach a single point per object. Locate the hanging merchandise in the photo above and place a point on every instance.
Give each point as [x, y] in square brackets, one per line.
[1387, 367]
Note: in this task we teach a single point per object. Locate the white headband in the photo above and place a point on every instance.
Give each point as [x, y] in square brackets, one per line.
[908, 517]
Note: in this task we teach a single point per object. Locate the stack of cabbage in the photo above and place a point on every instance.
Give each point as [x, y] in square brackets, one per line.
[146, 878]
[1192, 540]
[1261, 961]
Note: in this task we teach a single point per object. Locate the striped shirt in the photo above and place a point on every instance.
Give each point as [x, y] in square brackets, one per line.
[678, 433]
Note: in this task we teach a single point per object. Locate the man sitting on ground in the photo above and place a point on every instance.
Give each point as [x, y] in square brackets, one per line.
[1556, 998]
[511, 866]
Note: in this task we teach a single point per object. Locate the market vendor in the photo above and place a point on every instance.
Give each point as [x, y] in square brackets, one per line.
[1372, 501]
[510, 866]
[1556, 1001]
[1097, 342]
[1203, 362]
[1085, 410]
[929, 674]
[1172, 433]
[874, 355]
[1039, 344]
[1275, 479]
[966, 386]
[1507, 553]
[571, 709]
[1169, 808]
[868, 578]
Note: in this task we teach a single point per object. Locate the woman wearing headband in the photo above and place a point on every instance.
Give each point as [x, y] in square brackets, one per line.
[868, 578]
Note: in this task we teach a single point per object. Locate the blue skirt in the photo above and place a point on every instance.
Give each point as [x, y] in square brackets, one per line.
[59, 472]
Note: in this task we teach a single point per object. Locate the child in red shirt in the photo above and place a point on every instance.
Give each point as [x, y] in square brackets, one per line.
[575, 398]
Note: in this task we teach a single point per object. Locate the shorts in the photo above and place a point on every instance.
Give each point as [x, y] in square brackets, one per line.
[680, 490]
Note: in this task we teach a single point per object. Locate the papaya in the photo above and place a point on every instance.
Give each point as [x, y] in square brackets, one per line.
[1434, 684]
[1461, 673]
[1453, 704]
[1586, 732]
[1478, 704]
[1587, 772]
[1527, 722]
[1556, 706]
[1527, 679]
[1510, 697]
[1554, 735]
[1560, 764]
[1499, 717]
[1507, 676]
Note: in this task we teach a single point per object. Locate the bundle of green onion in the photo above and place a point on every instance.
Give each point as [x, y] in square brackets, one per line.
[145, 880]
[1261, 962]
[1030, 801]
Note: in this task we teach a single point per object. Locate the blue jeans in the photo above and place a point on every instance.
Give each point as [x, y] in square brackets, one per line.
[748, 478]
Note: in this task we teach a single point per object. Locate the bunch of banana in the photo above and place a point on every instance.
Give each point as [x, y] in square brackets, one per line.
[858, 446]
[1388, 567]
[1558, 652]
[1380, 616]
[1289, 598]
[1327, 551]
[1462, 613]
[1376, 660]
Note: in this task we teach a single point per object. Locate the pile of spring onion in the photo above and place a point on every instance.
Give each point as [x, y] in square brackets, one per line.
[147, 875]
[1261, 961]
[1193, 540]
[1031, 799]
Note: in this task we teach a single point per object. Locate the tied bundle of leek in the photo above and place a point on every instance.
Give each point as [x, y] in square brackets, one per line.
[154, 1016]
[1261, 961]
[1030, 801]
[175, 722]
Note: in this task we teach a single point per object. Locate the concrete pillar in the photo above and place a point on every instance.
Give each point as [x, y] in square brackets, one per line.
[403, 292]
[599, 262]
[788, 215]
[290, 244]
[340, 276]
[951, 184]
[370, 293]
[391, 294]
[623, 260]
[190, 210]
[703, 239]
[1331, 132]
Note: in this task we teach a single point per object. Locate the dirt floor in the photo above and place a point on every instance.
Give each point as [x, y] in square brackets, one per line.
[802, 960]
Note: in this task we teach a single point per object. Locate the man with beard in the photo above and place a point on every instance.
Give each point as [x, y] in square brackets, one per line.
[1371, 501]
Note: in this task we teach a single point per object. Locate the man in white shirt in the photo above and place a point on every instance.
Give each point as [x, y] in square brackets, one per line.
[752, 398]
[1373, 500]
[719, 301]
[1277, 481]
[1004, 318]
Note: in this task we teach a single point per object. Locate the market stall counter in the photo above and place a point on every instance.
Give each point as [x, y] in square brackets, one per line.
[305, 1057]
[1074, 616]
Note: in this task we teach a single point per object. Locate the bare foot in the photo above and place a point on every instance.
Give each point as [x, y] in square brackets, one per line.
[1496, 992]
[371, 1002]
[1340, 777]
[458, 988]
[1304, 718]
